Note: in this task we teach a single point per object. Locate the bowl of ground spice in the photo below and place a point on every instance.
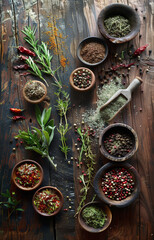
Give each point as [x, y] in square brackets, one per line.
[34, 91]
[118, 142]
[47, 201]
[95, 217]
[118, 23]
[82, 79]
[92, 51]
[27, 175]
[117, 184]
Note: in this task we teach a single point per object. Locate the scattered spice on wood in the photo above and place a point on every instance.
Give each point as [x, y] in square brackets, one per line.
[82, 78]
[94, 216]
[27, 175]
[34, 90]
[117, 26]
[93, 52]
[117, 184]
[118, 144]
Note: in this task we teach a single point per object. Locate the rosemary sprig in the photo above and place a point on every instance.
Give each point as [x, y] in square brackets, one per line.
[39, 140]
[11, 202]
[86, 178]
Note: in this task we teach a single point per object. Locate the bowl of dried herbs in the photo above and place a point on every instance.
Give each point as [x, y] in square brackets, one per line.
[118, 23]
[34, 91]
[118, 142]
[95, 217]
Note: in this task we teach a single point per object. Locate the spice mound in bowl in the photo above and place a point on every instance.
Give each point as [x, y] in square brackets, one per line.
[47, 201]
[27, 175]
[95, 217]
[92, 51]
[118, 23]
[34, 91]
[82, 79]
[117, 184]
[118, 142]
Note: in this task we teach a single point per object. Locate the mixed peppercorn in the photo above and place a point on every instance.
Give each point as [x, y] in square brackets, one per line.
[46, 201]
[82, 78]
[117, 184]
[27, 175]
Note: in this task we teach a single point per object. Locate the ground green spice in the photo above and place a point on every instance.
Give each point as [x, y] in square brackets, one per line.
[92, 117]
[94, 216]
[112, 108]
[117, 26]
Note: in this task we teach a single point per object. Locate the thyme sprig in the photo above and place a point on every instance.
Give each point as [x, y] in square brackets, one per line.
[86, 178]
[39, 140]
[11, 202]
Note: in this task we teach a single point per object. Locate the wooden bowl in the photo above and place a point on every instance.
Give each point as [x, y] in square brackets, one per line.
[91, 40]
[122, 10]
[98, 184]
[118, 128]
[55, 191]
[38, 100]
[82, 89]
[14, 175]
[105, 209]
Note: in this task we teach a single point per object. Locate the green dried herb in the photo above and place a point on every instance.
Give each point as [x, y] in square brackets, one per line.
[117, 26]
[94, 216]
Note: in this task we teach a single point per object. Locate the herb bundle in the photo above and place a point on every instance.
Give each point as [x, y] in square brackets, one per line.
[11, 203]
[39, 140]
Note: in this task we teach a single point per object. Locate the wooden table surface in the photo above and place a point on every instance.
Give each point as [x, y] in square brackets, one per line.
[74, 20]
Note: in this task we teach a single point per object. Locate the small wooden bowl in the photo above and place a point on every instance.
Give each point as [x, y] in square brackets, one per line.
[121, 128]
[82, 89]
[38, 100]
[57, 192]
[14, 175]
[89, 40]
[122, 10]
[98, 182]
[105, 209]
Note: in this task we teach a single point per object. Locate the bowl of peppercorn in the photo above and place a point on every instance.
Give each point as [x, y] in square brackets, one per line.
[47, 201]
[82, 79]
[117, 184]
[92, 51]
[118, 23]
[27, 175]
[118, 142]
[95, 217]
[34, 91]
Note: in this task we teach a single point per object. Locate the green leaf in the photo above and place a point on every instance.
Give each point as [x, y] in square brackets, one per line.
[51, 123]
[46, 136]
[47, 116]
[42, 116]
[38, 114]
[20, 209]
[38, 132]
[52, 135]
[34, 149]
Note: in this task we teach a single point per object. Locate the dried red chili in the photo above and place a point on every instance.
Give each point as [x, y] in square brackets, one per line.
[23, 66]
[26, 51]
[23, 57]
[15, 118]
[140, 50]
[16, 110]
[114, 68]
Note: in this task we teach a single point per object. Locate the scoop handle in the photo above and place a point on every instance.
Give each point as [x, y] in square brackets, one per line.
[134, 84]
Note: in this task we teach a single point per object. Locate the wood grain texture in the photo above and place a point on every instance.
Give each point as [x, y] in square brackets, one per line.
[75, 20]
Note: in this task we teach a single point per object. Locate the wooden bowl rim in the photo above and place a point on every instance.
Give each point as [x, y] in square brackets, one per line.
[92, 39]
[125, 8]
[107, 211]
[40, 99]
[109, 156]
[60, 195]
[101, 195]
[83, 89]
[21, 163]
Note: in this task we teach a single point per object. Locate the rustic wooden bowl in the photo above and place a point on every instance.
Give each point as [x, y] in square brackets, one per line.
[57, 192]
[122, 10]
[82, 89]
[14, 175]
[106, 210]
[121, 128]
[98, 181]
[95, 40]
[38, 100]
